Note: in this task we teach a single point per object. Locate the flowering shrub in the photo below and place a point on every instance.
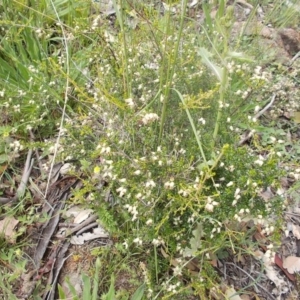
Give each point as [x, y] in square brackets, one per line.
[154, 116]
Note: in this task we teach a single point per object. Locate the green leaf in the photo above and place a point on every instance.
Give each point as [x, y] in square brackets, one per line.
[240, 56]
[195, 242]
[111, 293]
[296, 117]
[4, 158]
[139, 293]
[61, 293]
[96, 279]
[72, 289]
[205, 54]
[86, 295]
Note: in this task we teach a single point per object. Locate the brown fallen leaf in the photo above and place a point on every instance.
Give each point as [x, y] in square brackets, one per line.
[279, 263]
[292, 264]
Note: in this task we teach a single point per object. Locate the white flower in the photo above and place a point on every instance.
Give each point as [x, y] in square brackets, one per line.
[121, 190]
[150, 184]
[242, 211]
[209, 207]
[229, 184]
[130, 102]
[259, 162]
[138, 241]
[201, 120]
[182, 151]
[158, 241]
[138, 196]
[155, 242]
[231, 168]
[237, 191]
[125, 244]
[105, 150]
[149, 222]
[183, 193]
[169, 185]
[280, 192]
[237, 217]
[177, 271]
[149, 118]
[137, 172]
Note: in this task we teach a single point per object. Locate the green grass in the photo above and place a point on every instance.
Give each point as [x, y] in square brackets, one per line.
[155, 110]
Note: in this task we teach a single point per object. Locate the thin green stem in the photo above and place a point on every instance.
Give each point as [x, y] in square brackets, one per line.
[192, 125]
[171, 70]
[156, 264]
[222, 91]
[126, 79]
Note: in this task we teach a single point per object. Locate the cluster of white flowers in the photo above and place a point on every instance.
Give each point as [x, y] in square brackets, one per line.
[157, 242]
[138, 241]
[104, 149]
[192, 218]
[172, 287]
[149, 118]
[132, 210]
[21, 93]
[215, 229]
[230, 168]
[295, 174]
[241, 214]
[150, 184]
[183, 193]
[237, 196]
[122, 191]
[201, 120]
[210, 204]
[260, 160]
[16, 146]
[177, 220]
[260, 75]
[252, 119]
[268, 229]
[107, 173]
[33, 69]
[130, 103]
[17, 108]
[244, 94]
[149, 222]
[169, 185]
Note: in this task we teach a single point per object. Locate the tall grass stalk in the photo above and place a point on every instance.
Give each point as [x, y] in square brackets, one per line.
[61, 126]
[126, 79]
[172, 59]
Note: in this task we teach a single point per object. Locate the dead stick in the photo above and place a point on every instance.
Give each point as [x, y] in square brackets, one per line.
[260, 113]
[24, 180]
